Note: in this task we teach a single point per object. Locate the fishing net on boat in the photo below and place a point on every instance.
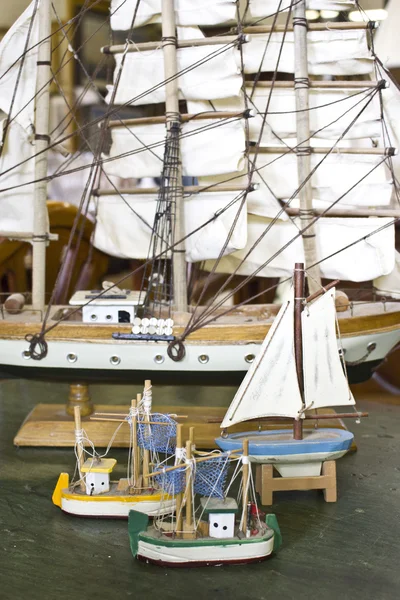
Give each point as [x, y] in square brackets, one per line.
[172, 482]
[159, 435]
[210, 477]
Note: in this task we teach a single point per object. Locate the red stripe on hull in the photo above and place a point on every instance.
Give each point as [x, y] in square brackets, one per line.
[202, 563]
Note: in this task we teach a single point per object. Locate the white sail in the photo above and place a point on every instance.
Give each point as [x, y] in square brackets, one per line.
[124, 226]
[389, 285]
[330, 52]
[325, 383]
[365, 260]
[16, 205]
[206, 72]
[208, 147]
[188, 12]
[12, 48]
[333, 178]
[207, 12]
[270, 387]
[264, 8]
[386, 39]
[327, 113]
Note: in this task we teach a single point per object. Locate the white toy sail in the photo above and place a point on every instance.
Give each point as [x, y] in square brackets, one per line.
[325, 383]
[270, 387]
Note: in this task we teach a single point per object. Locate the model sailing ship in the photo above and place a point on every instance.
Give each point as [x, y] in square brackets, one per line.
[93, 494]
[298, 369]
[280, 169]
[209, 533]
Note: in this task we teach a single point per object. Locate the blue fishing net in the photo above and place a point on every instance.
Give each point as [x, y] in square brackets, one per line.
[158, 438]
[172, 482]
[210, 477]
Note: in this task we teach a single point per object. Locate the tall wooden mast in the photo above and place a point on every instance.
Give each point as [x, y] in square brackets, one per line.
[42, 108]
[301, 86]
[173, 129]
[299, 281]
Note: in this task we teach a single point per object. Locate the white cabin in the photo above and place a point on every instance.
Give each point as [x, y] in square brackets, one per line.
[221, 516]
[112, 307]
[97, 475]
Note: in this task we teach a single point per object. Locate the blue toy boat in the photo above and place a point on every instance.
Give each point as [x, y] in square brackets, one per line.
[298, 369]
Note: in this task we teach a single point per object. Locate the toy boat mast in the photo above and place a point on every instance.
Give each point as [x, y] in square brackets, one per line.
[299, 284]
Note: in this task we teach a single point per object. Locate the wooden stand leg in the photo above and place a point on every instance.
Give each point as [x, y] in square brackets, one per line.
[267, 484]
[329, 472]
[264, 477]
[79, 395]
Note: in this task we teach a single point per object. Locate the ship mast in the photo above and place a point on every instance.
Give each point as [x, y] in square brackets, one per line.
[301, 86]
[299, 282]
[169, 41]
[42, 106]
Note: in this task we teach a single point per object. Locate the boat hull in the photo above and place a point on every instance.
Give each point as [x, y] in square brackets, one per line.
[292, 458]
[111, 505]
[185, 553]
[114, 360]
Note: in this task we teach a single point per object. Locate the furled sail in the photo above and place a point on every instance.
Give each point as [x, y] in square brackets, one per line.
[331, 112]
[207, 12]
[16, 205]
[270, 387]
[325, 383]
[208, 147]
[12, 48]
[389, 285]
[124, 224]
[206, 72]
[330, 52]
[365, 260]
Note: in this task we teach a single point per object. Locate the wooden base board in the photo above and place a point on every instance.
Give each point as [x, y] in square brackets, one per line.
[267, 482]
[49, 425]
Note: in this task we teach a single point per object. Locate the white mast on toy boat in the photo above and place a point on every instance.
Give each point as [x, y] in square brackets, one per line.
[298, 367]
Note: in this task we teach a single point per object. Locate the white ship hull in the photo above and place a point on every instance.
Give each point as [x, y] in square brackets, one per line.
[117, 357]
[114, 509]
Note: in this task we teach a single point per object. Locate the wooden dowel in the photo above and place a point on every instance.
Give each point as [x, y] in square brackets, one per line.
[245, 481]
[122, 420]
[327, 26]
[179, 497]
[188, 189]
[307, 417]
[337, 84]
[322, 290]
[78, 428]
[197, 460]
[337, 212]
[189, 496]
[299, 284]
[143, 46]
[325, 150]
[223, 114]
[135, 447]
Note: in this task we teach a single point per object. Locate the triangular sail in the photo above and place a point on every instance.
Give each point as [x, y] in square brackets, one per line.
[270, 388]
[325, 383]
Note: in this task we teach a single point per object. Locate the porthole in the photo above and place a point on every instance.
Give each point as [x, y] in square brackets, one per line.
[26, 354]
[159, 359]
[72, 358]
[203, 359]
[249, 358]
[115, 360]
[109, 317]
[93, 317]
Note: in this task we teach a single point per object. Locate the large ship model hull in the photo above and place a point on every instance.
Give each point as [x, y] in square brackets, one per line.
[77, 349]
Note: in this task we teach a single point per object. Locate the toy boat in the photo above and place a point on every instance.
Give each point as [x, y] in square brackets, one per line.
[298, 369]
[94, 495]
[215, 537]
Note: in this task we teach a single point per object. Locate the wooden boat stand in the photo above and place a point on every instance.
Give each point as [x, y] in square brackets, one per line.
[52, 425]
[268, 481]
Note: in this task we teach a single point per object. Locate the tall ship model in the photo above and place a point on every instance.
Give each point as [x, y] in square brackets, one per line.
[272, 140]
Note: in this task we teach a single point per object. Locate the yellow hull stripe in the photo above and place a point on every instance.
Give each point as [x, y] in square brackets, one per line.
[122, 498]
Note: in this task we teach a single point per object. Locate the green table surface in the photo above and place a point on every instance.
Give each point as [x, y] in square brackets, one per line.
[350, 549]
